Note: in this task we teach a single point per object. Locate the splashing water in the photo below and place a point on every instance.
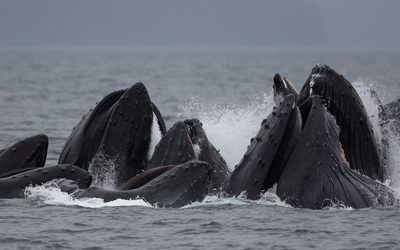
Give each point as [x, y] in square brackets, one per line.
[368, 93]
[229, 127]
[267, 199]
[102, 169]
[49, 193]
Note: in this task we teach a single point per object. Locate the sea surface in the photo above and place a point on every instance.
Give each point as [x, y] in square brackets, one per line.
[230, 91]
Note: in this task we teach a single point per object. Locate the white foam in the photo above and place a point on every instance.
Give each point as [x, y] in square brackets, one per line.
[267, 199]
[197, 150]
[271, 199]
[229, 127]
[213, 200]
[50, 194]
[155, 137]
[336, 206]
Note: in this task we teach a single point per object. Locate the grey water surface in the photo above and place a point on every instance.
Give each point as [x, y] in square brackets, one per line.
[48, 90]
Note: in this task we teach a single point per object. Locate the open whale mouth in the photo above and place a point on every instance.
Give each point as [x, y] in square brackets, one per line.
[318, 169]
[356, 132]
[121, 127]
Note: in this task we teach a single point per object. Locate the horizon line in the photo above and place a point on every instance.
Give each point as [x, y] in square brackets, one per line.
[218, 47]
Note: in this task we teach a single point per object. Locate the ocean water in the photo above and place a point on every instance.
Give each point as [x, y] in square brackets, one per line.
[230, 91]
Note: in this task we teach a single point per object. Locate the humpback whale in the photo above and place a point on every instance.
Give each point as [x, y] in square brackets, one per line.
[14, 186]
[26, 154]
[115, 134]
[187, 141]
[173, 186]
[264, 161]
[356, 133]
[317, 147]
[317, 173]
[174, 148]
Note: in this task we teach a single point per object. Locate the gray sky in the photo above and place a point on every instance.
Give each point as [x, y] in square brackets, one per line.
[201, 23]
